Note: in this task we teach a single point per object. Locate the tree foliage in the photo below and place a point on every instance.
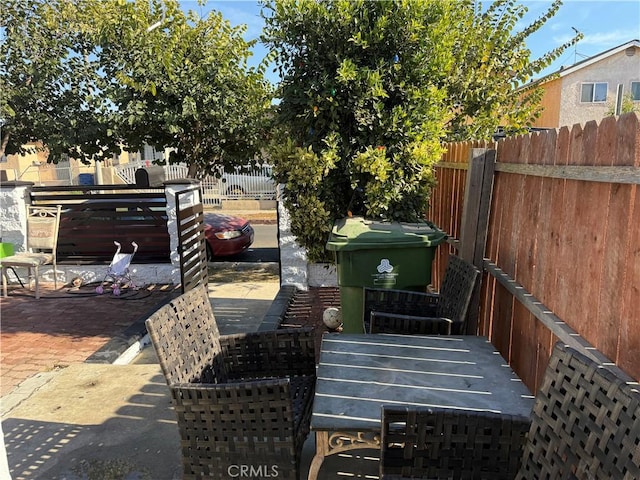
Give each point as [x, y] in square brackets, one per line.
[488, 84]
[50, 87]
[361, 111]
[627, 105]
[184, 84]
[369, 90]
[151, 74]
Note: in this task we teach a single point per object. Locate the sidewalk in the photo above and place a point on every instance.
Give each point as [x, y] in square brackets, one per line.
[248, 210]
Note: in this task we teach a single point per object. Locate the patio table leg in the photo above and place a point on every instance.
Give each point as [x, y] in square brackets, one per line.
[330, 443]
[322, 447]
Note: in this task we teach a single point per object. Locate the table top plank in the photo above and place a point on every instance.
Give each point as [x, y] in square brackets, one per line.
[357, 374]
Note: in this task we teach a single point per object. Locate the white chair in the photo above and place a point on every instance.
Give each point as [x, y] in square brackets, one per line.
[42, 240]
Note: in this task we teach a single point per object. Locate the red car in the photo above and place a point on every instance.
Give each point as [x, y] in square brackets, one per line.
[226, 235]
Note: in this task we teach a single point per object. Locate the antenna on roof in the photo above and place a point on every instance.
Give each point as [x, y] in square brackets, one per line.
[575, 48]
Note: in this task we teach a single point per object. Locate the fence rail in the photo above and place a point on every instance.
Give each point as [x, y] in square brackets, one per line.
[564, 226]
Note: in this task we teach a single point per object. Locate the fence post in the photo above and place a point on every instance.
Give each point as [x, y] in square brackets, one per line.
[14, 198]
[475, 218]
[172, 188]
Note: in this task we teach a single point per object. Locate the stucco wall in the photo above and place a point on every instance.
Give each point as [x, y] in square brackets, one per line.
[618, 68]
[294, 268]
[14, 197]
[293, 258]
[550, 116]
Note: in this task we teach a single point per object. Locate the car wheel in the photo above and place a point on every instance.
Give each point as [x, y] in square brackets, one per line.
[235, 190]
[209, 253]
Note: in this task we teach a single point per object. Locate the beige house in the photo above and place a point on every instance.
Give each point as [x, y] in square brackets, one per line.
[33, 167]
[592, 88]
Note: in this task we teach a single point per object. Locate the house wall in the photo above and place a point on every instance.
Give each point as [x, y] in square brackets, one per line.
[616, 69]
[33, 167]
[24, 167]
[550, 117]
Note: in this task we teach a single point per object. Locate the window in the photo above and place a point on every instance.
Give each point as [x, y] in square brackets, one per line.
[593, 92]
[635, 91]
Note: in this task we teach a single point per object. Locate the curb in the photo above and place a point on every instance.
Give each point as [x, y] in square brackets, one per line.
[274, 316]
[125, 343]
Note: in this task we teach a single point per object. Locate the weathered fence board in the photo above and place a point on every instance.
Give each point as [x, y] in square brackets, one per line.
[613, 228]
[543, 280]
[572, 240]
[628, 153]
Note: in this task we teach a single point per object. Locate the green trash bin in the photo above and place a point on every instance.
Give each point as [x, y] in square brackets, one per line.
[382, 255]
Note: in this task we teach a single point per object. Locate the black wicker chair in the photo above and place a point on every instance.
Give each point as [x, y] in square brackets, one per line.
[421, 442]
[409, 312]
[585, 422]
[243, 402]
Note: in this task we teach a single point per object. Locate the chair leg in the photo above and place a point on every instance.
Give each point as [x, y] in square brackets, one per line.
[4, 281]
[36, 280]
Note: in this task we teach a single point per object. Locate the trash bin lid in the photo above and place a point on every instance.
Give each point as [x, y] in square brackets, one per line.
[357, 233]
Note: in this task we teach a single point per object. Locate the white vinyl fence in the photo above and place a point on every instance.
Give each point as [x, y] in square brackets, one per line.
[257, 184]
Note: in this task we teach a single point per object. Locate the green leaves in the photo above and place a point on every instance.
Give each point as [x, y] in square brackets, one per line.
[346, 72]
[130, 72]
[50, 83]
[360, 108]
[492, 65]
[406, 75]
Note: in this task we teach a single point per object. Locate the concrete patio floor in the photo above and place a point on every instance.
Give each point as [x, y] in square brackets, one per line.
[84, 420]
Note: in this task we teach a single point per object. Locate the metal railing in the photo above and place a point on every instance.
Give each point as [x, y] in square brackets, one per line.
[256, 184]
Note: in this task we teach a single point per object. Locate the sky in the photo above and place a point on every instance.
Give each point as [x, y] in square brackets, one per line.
[604, 23]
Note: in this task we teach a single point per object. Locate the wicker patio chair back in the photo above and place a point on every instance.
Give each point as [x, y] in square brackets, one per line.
[585, 422]
[382, 322]
[459, 283]
[43, 224]
[423, 442]
[242, 402]
[426, 313]
[185, 336]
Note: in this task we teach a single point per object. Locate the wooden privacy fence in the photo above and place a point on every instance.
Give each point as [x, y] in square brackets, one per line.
[562, 240]
[93, 219]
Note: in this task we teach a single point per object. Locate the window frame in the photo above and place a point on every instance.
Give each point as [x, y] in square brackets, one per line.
[593, 93]
[635, 82]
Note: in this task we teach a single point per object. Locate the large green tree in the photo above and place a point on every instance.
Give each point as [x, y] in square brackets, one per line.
[369, 90]
[129, 73]
[183, 82]
[50, 87]
[362, 109]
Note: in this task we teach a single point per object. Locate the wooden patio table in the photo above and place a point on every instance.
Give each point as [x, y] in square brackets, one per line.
[358, 373]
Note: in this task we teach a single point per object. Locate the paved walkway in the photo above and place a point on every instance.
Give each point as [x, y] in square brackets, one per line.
[76, 420]
[66, 326]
